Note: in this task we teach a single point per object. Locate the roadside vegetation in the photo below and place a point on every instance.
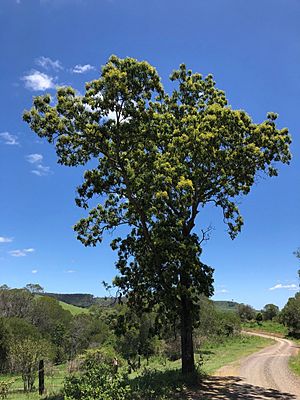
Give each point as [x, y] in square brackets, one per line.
[146, 346]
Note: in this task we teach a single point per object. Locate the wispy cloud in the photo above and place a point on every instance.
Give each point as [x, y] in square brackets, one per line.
[48, 63]
[21, 253]
[39, 168]
[38, 81]
[9, 139]
[291, 286]
[4, 239]
[34, 271]
[81, 69]
[34, 158]
[223, 291]
[70, 271]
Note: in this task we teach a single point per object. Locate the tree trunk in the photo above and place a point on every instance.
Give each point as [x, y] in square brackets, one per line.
[187, 347]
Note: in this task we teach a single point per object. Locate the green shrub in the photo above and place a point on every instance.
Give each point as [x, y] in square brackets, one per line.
[4, 388]
[98, 379]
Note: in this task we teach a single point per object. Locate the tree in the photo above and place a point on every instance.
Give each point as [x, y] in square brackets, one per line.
[4, 344]
[34, 288]
[160, 159]
[290, 315]
[25, 356]
[15, 303]
[270, 311]
[246, 312]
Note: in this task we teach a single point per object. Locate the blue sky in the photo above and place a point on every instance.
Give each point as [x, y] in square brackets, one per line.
[253, 50]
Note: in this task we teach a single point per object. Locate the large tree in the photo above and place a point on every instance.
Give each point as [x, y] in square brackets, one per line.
[158, 160]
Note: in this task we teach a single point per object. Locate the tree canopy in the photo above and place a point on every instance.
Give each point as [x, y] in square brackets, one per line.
[159, 159]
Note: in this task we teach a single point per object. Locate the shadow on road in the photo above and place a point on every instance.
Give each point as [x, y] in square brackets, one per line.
[233, 388]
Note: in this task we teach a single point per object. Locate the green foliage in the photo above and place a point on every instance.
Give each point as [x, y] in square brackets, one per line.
[24, 358]
[34, 288]
[246, 312]
[4, 388]
[5, 338]
[15, 302]
[290, 315]
[259, 318]
[270, 311]
[98, 381]
[189, 149]
[47, 313]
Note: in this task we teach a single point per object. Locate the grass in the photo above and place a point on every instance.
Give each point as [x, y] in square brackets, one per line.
[163, 380]
[54, 379]
[294, 364]
[294, 361]
[160, 377]
[216, 356]
[74, 310]
[268, 327]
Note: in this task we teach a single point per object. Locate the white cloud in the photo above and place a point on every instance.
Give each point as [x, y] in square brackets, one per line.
[37, 80]
[70, 271]
[292, 286]
[81, 69]
[21, 253]
[4, 239]
[34, 271]
[221, 291]
[9, 139]
[41, 170]
[34, 158]
[47, 63]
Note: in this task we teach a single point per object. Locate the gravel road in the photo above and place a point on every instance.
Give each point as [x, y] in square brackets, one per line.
[265, 373]
[262, 376]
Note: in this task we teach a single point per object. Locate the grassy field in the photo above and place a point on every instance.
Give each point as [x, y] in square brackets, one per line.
[164, 373]
[53, 382]
[218, 355]
[74, 310]
[266, 326]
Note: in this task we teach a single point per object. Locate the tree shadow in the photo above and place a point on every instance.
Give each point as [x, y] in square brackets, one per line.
[155, 384]
[233, 388]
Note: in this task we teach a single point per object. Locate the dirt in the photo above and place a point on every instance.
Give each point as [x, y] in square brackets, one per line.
[263, 375]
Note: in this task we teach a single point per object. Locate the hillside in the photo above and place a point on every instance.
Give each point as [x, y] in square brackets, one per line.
[85, 300]
[226, 305]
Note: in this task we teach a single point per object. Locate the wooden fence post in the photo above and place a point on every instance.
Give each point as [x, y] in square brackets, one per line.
[41, 377]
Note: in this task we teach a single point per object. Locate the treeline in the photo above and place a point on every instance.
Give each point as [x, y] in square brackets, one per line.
[289, 316]
[34, 327]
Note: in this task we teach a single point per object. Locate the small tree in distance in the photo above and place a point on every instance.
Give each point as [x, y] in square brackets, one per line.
[160, 159]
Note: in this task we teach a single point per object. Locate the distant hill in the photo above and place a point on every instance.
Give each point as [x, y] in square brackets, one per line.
[226, 305]
[74, 310]
[85, 300]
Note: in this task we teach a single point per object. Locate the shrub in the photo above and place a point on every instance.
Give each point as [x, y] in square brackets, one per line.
[98, 379]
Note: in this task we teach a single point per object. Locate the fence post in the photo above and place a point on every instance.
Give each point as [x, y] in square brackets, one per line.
[41, 377]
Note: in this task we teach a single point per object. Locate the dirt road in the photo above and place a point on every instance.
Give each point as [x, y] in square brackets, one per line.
[263, 375]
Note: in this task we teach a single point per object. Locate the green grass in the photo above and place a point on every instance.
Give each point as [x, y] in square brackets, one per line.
[216, 356]
[53, 382]
[162, 376]
[294, 364]
[74, 310]
[266, 326]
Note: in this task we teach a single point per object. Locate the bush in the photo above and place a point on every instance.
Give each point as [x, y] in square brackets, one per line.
[4, 388]
[98, 379]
